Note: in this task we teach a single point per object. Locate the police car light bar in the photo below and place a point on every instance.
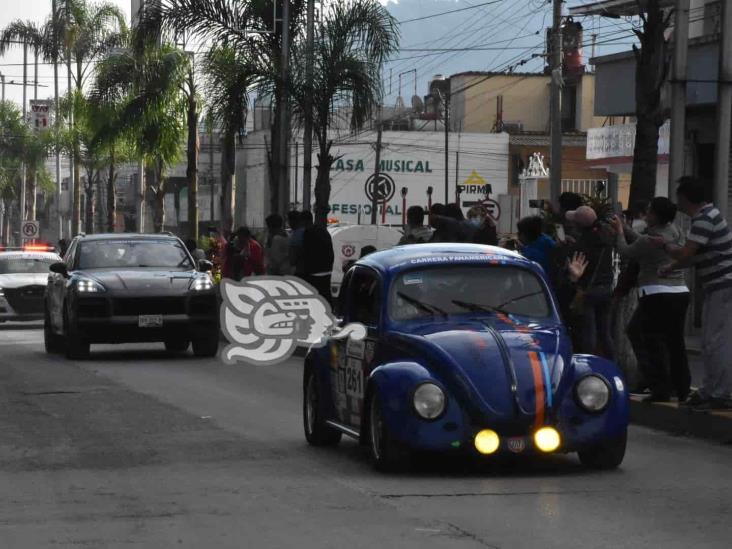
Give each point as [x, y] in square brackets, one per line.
[28, 248]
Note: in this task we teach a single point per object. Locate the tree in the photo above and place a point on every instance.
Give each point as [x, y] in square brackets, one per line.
[229, 76]
[91, 30]
[230, 23]
[152, 110]
[357, 36]
[19, 145]
[651, 70]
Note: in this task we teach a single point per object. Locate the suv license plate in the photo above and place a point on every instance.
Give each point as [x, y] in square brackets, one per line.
[150, 321]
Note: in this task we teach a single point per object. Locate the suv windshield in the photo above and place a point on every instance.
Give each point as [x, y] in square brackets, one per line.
[25, 265]
[114, 254]
[442, 291]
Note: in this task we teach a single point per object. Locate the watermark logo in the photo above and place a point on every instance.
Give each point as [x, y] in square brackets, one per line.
[265, 318]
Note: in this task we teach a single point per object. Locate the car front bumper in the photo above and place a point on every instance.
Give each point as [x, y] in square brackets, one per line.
[118, 319]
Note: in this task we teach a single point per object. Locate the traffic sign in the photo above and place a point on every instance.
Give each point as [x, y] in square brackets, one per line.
[40, 109]
[30, 230]
[384, 190]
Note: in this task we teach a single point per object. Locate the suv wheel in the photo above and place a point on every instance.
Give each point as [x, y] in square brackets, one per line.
[206, 346]
[53, 342]
[77, 348]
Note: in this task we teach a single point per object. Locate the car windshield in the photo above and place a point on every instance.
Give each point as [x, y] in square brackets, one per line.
[25, 265]
[112, 254]
[443, 291]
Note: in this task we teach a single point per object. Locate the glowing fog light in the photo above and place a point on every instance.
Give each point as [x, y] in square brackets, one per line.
[547, 439]
[487, 441]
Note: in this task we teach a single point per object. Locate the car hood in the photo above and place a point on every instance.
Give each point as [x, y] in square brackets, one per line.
[141, 280]
[506, 372]
[20, 280]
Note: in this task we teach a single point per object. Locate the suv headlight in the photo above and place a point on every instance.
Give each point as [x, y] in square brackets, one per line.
[87, 285]
[593, 393]
[429, 401]
[1, 292]
[201, 283]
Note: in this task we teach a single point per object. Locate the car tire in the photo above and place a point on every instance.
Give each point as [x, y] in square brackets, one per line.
[177, 345]
[54, 343]
[206, 346]
[77, 348]
[387, 454]
[317, 432]
[606, 455]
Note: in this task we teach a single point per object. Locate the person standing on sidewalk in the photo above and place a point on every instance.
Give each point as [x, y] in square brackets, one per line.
[318, 256]
[662, 304]
[709, 249]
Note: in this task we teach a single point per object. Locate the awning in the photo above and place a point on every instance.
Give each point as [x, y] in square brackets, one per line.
[614, 8]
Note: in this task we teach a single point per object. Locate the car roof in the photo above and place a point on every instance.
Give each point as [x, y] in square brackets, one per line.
[401, 258]
[128, 236]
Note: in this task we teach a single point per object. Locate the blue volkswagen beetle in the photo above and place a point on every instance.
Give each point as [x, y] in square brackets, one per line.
[465, 351]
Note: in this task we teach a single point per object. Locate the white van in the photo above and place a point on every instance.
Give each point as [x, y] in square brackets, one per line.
[348, 241]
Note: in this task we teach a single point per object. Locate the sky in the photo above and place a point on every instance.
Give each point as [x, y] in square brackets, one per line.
[489, 35]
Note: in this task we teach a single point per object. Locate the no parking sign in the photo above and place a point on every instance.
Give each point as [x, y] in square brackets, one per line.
[30, 230]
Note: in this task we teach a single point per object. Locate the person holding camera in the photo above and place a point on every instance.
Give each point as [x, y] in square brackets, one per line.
[593, 301]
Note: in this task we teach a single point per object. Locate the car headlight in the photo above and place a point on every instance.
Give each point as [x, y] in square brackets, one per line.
[201, 283]
[429, 401]
[1, 292]
[87, 285]
[593, 393]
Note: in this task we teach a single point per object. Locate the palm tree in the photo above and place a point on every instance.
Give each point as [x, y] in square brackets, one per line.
[357, 36]
[91, 30]
[233, 24]
[229, 76]
[152, 111]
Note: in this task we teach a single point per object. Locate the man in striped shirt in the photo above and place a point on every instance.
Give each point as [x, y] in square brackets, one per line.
[709, 249]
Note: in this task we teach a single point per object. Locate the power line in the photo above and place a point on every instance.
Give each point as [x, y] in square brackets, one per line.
[447, 12]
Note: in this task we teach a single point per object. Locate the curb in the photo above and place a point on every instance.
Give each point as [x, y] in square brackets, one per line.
[669, 417]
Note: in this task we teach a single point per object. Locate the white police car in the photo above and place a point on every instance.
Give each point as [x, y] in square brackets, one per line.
[23, 279]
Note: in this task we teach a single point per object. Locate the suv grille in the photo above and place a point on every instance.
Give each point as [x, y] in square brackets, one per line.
[127, 306]
[26, 300]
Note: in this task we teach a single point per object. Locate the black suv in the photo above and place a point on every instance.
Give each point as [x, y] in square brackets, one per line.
[123, 288]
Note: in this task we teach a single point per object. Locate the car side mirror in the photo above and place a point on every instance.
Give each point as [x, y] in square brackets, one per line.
[59, 268]
[204, 265]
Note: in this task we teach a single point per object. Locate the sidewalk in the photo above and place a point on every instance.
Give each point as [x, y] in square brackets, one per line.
[668, 416]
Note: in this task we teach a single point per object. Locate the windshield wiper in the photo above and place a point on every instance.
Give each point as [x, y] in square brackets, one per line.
[477, 308]
[432, 309]
[519, 298]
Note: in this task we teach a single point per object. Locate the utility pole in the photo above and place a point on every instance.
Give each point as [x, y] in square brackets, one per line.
[74, 186]
[447, 146]
[724, 112]
[307, 142]
[2, 77]
[457, 170]
[54, 16]
[284, 179]
[35, 99]
[297, 168]
[377, 172]
[25, 121]
[678, 94]
[555, 107]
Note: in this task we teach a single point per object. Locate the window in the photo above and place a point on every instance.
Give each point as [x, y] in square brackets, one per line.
[25, 265]
[467, 289]
[365, 297]
[113, 254]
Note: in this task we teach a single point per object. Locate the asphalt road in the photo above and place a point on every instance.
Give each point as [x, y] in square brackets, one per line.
[137, 448]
